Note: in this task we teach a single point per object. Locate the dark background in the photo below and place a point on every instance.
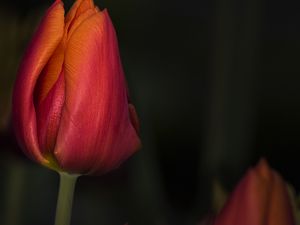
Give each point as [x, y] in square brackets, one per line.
[216, 87]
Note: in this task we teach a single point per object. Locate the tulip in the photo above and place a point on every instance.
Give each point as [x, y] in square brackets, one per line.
[71, 108]
[260, 198]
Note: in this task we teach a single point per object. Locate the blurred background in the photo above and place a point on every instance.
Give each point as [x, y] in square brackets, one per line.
[216, 87]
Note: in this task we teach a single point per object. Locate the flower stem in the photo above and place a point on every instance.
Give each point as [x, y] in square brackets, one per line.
[65, 198]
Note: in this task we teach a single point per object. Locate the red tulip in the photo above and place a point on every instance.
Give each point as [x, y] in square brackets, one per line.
[70, 103]
[261, 198]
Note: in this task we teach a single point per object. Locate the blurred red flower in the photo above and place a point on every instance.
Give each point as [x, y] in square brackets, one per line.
[260, 198]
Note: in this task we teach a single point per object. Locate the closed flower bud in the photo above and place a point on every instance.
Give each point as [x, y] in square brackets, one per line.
[261, 198]
[70, 103]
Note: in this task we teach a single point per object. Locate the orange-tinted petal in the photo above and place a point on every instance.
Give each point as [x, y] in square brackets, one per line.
[50, 74]
[78, 21]
[78, 8]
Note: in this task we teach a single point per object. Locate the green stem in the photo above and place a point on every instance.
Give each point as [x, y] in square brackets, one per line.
[65, 198]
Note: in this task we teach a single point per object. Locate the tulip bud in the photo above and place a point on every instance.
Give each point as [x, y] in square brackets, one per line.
[70, 103]
[261, 198]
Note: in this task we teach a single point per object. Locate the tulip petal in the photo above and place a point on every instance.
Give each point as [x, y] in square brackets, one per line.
[76, 23]
[96, 133]
[44, 43]
[48, 116]
[259, 199]
[78, 8]
[243, 206]
[49, 75]
[280, 198]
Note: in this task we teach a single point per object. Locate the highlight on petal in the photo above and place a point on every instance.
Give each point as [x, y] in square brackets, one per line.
[45, 40]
